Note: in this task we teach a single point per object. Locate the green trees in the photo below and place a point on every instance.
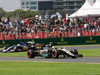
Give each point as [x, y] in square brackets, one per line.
[2, 12]
[19, 13]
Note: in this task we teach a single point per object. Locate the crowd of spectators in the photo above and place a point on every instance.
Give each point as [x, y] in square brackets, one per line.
[10, 25]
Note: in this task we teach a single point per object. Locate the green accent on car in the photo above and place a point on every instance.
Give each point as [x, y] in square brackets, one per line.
[44, 55]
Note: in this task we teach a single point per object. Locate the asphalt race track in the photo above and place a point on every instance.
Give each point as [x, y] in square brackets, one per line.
[42, 59]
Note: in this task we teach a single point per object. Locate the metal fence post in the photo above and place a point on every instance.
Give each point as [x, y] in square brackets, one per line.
[18, 32]
[47, 24]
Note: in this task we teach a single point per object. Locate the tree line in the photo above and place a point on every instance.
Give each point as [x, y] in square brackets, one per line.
[19, 13]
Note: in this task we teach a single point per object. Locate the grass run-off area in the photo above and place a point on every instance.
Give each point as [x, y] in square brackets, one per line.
[48, 68]
[86, 53]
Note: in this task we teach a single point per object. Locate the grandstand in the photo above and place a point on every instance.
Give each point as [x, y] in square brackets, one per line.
[30, 29]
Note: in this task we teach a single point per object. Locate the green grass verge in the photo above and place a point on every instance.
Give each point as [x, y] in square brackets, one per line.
[86, 53]
[14, 54]
[48, 68]
[90, 52]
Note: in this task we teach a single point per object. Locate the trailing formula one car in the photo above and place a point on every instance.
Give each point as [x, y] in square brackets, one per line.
[17, 48]
[51, 52]
[20, 47]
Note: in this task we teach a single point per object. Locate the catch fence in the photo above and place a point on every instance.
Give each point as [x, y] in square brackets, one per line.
[10, 36]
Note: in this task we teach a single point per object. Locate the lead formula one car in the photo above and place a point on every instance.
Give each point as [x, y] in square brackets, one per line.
[52, 52]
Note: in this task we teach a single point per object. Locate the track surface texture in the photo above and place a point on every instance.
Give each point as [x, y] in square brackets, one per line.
[41, 59]
[77, 60]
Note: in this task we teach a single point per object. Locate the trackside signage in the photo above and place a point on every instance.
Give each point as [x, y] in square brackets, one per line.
[56, 41]
[91, 40]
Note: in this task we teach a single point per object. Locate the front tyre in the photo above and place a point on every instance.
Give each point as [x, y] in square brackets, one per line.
[31, 53]
[75, 52]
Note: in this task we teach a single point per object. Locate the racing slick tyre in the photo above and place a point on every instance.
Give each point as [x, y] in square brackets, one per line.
[55, 54]
[31, 53]
[75, 52]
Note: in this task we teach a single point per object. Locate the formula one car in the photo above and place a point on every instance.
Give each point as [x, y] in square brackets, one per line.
[52, 52]
[20, 47]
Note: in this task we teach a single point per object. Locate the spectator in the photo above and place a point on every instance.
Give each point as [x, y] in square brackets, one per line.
[33, 26]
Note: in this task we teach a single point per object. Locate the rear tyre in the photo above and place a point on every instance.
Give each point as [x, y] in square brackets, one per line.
[31, 53]
[55, 54]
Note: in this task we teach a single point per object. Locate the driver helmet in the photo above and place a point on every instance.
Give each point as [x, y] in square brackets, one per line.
[50, 45]
[53, 47]
[18, 44]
